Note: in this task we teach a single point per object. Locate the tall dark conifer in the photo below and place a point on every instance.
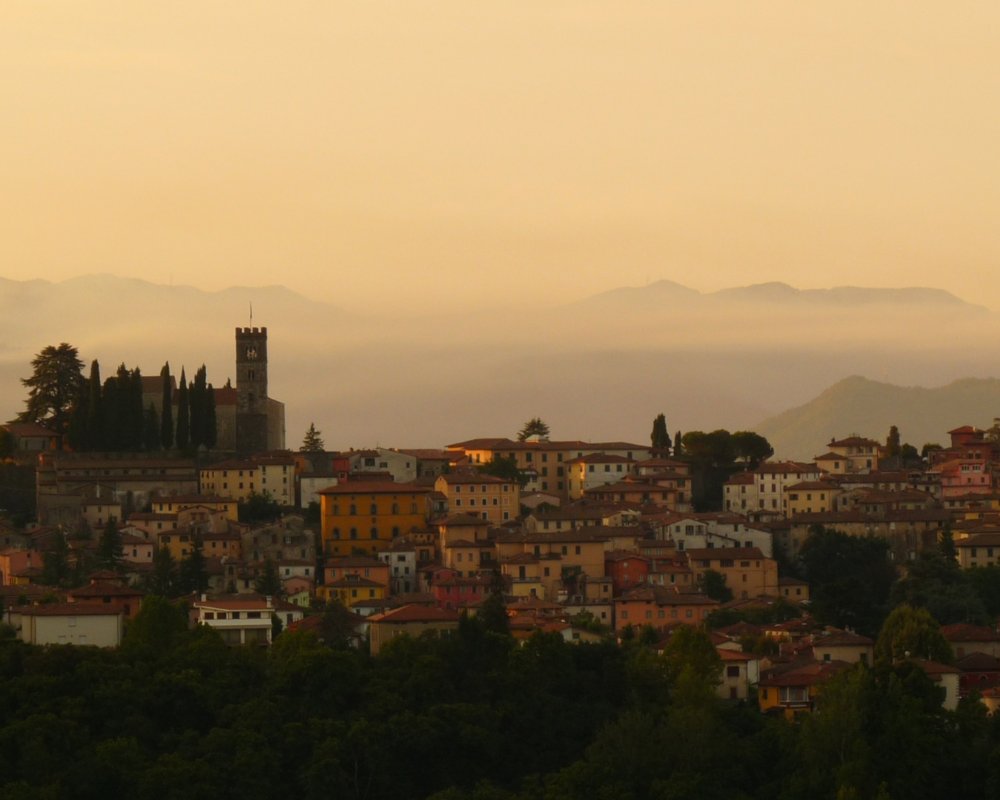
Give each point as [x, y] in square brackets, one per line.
[109, 415]
[167, 412]
[183, 411]
[211, 431]
[151, 430]
[95, 411]
[196, 403]
[137, 412]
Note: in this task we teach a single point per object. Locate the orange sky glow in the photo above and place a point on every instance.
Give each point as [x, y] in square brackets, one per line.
[435, 153]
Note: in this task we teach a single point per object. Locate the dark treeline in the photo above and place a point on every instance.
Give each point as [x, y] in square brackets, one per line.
[175, 713]
[111, 415]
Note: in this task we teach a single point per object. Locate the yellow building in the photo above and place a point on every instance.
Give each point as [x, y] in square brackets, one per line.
[351, 589]
[810, 497]
[198, 502]
[496, 500]
[235, 479]
[545, 460]
[365, 516]
[559, 560]
[747, 571]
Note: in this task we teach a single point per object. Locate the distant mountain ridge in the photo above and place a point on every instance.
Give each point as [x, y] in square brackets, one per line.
[869, 408]
[774, 293]
[440, 373]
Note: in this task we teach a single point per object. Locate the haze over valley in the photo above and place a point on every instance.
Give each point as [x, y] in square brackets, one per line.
[598, 368]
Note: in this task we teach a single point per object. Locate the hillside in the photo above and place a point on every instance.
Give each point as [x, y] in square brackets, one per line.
[869, 408]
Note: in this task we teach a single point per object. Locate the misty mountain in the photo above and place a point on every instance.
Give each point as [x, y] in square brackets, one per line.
[869, 408]
[664, 294]
[440, 374]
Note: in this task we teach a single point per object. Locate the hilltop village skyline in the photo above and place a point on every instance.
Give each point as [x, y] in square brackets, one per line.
[753, 588]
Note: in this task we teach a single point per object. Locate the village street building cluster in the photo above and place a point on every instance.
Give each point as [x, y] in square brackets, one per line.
[588, 540]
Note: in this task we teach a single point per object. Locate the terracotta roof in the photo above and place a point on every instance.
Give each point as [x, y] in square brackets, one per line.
[838, 638]
[373, 487]
[978, 662]
[463, 520]
[962, 632]
[468, 477]
[715, 553]
[68, 610]
[355, 561]
[414, 613]
[104, 590]
[601, 458]
[354, 581]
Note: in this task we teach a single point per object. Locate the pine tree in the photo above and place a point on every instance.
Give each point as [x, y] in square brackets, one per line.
[53, 387]
[167, 412]
[183, 410]
[312, 442]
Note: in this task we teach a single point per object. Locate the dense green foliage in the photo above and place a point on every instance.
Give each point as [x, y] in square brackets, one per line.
[111, 416]
[850, 578]
[715, 457]
[533, 427]
[56, 381]
[660, 436]
[176, 714]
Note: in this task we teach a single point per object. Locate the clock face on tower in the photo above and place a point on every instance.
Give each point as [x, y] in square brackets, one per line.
[251, 354]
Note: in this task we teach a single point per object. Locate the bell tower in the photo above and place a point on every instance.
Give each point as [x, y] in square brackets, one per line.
[251, 390]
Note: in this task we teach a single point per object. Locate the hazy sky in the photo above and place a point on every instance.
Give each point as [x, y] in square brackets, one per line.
[480, 151]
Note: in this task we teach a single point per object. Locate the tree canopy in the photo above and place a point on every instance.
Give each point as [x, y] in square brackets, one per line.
[533, 427]
[54, 387]
[660, 436]
[312, 442]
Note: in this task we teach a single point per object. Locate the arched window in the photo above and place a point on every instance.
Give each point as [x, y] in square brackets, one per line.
[354, 509]
[374, 532]
[354, 533]
[374, 509]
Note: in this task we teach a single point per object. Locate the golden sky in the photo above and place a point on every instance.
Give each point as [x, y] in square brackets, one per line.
[483, 151]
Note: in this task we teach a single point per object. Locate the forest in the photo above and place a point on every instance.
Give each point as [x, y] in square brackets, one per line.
[175, 713]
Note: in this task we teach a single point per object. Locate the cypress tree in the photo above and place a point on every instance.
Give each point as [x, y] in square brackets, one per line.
[183, 419]
[211, 432]
[109, 415]
[137, 413]
[167, 414]
[151, 430]
[77, 433]
[95, 413]
[110, 552]
[196, 404]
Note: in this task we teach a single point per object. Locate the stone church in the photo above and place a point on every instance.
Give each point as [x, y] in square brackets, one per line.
[247, 420]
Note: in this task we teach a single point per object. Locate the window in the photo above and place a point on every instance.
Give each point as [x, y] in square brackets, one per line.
[732, 672]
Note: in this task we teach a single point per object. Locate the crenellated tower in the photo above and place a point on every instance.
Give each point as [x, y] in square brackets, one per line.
[251, 390]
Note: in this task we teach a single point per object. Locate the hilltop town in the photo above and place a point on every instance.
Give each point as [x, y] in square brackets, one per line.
[589, 540]
[146, 514]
